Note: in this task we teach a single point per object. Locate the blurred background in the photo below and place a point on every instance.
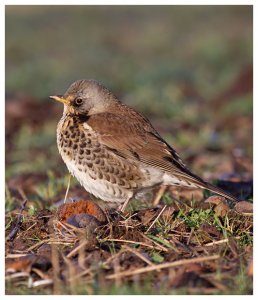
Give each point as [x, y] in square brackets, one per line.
[187, 68]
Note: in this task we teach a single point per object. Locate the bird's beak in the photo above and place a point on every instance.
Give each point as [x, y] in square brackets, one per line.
[60, 99]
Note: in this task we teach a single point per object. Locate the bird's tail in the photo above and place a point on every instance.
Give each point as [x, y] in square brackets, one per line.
[216, 190]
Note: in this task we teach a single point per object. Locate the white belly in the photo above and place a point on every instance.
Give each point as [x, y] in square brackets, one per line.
[101, 189]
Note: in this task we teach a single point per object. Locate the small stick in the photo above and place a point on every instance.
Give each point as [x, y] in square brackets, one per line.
[163, 266]
[156, 219]
[19, 221]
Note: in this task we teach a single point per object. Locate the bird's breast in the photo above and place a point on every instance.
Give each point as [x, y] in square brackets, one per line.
[96, 167]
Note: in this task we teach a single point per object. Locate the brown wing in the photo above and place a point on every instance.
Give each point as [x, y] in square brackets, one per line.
[135, 138]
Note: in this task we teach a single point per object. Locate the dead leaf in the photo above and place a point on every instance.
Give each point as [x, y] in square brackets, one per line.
[221, 207]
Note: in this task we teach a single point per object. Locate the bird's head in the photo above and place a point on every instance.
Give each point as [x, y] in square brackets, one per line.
[86, 97]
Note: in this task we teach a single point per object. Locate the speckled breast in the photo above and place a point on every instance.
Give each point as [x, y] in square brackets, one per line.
[96, 167]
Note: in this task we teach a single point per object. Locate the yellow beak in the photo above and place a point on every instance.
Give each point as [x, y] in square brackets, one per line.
[60, 99]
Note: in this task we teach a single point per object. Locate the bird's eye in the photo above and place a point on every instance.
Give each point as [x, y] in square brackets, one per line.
[78, 101]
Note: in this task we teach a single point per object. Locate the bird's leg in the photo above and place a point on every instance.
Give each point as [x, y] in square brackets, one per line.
[123, 207]
[159, 195]
[68, 187]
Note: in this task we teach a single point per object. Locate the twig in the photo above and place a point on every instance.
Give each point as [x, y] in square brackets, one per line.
[156, 219]
[163, 266]
[17, 226]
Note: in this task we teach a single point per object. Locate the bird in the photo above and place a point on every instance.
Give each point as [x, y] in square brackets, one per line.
[114, 151]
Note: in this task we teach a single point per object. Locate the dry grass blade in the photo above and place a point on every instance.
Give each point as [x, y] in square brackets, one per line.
[219, 242]
[156, 219]
[38, 244]
[135, 252]
[163, 266]
[68, 187]
[85, 272]
[17, 274]
[39, 273]
[129, 242]
[76, 250]
[16, 255]
[42, 282]
[158, 246]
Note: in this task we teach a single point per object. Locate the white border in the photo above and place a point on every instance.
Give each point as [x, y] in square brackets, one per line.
[103, 2]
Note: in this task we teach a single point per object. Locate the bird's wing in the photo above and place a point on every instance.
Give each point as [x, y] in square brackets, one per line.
[137, 139]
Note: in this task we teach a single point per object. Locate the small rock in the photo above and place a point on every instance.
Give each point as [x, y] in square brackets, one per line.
[244, 207]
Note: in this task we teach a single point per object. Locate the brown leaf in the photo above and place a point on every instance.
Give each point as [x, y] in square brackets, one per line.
[221, 208]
